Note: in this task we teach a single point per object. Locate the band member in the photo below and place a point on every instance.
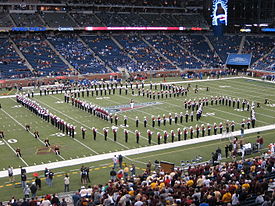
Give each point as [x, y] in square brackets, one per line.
[149, 133]
[253, 121]
[116, 119]
[105, 132]
[36, 134]
[125, 121]
[232, 126]
[170, 118]
[56, 150]
[115, 134]
[159, 137]
[248, 122]
[164, 119]
[202, 130]
[197, 131]
[126, 135]
[137, 121]
[94, 132]
[243, 123]
[185, 132]
[192, 116]
[215, 128]
[172, 135]
[208, 129]
[145, 122]
[27, 128]
[191, 132]
[221, 127]
[83, 131]
[227, 126]
[18, 152]
[132, 102]
[181, 118]
[179, 134]
[47, 142]
[159, 121]
[186, 116]
[165, 137]
[153, 121]
[137, 136]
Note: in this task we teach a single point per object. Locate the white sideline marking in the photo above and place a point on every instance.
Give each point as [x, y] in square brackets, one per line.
[136, 151]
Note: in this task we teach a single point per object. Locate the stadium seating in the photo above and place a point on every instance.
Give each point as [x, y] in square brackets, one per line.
[73, 50]
[5, 20]
[225, 45]
[172, 51]
[258, 46]
[58, 20]
[86, 19]
[133, 19]
[267, 63]
[27, 20]
[11, 65]
[111, 19]
[43, 59]
[198, 46]
[147, 58]
[109, 52]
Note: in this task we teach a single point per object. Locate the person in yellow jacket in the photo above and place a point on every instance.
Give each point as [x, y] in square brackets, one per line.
[226, 198]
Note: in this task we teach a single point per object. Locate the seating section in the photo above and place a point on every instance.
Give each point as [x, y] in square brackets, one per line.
[225, 45]
[43, 59]
[27, 20]
[111, 19]
[109, 52]
[86, 19]
[156, 20]
[258, 46]
[75, 52]
[133, 19]
[147, 58]
[174, 52]
[194, 20]
[11, 65]
[5, 20]
[58, 20]
[267, 63]
[198, 46]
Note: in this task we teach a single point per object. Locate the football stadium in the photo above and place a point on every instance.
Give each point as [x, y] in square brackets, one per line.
[141, 102]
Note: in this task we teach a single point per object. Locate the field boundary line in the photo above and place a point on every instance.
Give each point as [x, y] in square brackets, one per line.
[136, 151]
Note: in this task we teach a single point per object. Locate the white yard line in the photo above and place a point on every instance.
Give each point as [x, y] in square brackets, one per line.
[8, 143]
[136, 151]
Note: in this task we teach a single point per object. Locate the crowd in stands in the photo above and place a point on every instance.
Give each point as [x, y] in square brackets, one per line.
[11, 65]
[198, 46]
[225, 45]
[74, 51]
[147, 58]
[42, 58]
[109, 52]
[266, 63]
[178, 55]
[258, 46]
[248, 183]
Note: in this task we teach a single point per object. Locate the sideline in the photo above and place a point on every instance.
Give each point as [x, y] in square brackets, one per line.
[141, 150]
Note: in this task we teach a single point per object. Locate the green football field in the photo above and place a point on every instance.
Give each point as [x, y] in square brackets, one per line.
[14, 117]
